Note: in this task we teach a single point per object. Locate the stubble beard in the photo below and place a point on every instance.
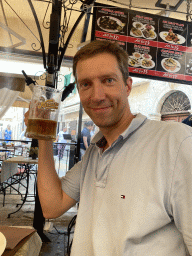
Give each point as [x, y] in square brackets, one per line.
[105, 122]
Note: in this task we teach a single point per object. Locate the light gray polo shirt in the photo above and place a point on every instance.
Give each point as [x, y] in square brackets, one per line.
[136, 197]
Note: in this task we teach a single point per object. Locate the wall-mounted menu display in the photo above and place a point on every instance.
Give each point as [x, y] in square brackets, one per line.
[159, 47]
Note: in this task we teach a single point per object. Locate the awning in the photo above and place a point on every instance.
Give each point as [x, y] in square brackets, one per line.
[12, 83]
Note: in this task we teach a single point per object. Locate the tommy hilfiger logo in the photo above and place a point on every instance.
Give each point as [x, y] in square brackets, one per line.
[123, 196]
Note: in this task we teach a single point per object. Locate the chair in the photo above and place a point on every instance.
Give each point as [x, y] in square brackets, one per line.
[10, 184]
[18, 181]
[69, 232]
[18, 150]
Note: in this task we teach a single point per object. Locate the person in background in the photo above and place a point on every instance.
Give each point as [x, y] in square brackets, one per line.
[23, 138]
[188, 120]
[85, 137]
[60, 139]
[8, 134]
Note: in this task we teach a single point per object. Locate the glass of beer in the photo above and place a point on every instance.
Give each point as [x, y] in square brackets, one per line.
[43, 113]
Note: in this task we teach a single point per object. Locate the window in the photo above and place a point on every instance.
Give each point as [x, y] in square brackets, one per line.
[176, 102]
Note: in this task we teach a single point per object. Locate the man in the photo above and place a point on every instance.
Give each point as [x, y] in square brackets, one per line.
[188, 120]
[85, 137]
[60, 139]
[134, 183]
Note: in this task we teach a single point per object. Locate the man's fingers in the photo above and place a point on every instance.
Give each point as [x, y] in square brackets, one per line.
[26, 115]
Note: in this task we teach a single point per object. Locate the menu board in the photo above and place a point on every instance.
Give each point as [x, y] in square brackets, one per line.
[159, 48]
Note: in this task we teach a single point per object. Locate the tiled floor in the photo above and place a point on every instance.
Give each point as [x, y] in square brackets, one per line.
[57, 234]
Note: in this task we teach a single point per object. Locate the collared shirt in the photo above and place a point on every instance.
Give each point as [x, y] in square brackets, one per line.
[136, 196]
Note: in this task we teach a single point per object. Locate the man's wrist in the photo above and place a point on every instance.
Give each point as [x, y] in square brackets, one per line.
[45, 142]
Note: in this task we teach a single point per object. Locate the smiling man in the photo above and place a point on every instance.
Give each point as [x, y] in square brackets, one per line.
[134, 183]
[103, 92]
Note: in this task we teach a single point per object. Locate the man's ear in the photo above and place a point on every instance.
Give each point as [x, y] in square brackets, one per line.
[129, 85]
[77, 85]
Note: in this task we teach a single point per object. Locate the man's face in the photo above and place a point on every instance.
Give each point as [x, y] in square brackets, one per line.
[102, 90]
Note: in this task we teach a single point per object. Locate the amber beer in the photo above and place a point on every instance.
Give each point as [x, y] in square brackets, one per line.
[41, 129]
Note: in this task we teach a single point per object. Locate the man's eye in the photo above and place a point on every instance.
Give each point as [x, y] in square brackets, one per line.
[109, 80]
[84, 85]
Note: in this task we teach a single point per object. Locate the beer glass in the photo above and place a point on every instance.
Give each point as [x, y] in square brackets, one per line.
[43, 113]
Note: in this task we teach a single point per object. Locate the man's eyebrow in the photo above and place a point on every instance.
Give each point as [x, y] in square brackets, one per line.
[108, 75]
[101, 77]
[83, 80]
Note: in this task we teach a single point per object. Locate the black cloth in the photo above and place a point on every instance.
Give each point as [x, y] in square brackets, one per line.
[39, 220]
[34, 143]
[188, 120]
[85, 133]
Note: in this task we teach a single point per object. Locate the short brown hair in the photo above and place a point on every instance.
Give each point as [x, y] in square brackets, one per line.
[97, 47]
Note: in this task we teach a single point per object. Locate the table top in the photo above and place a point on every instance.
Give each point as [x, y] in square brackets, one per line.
[6, 149]
[21, 241]
[21, 160]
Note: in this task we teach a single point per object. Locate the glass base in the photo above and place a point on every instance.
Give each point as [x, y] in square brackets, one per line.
[40, 136]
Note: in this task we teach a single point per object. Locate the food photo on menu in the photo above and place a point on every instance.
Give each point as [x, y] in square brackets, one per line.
[146, 31]
[111, 20]
[141, 56]
[172, 31]
[188, 64]
[141, 60]
[171, 37]
[170, 65]
[110, 24]
[171, 61]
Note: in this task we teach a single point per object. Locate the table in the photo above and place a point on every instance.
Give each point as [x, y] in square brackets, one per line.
[12, 150]
[10, 167]
[8, 170]
[39, 220]
[21, 241]
[21, 160]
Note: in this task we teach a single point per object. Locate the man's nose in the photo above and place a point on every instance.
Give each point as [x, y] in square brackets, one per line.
[98, 92]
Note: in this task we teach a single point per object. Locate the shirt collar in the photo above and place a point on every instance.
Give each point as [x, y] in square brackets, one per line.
[100, 140]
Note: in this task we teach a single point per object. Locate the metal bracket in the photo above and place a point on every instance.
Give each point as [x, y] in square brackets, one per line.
[165, 12]
[171, 8]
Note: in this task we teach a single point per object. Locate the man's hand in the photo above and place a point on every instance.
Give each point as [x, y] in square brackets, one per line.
[37, 113]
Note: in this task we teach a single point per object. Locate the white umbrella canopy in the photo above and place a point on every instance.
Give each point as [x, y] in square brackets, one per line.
[14, 91]
[10, 87]
[27, 34]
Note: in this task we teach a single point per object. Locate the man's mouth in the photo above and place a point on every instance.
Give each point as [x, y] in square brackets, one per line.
[101, 109]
